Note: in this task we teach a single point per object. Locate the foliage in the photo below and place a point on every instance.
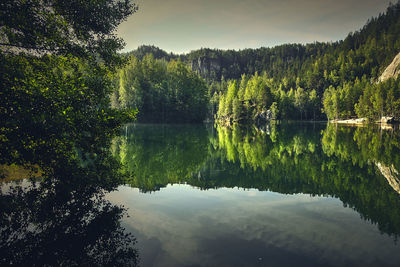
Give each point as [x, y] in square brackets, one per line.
[56, 66]
[157, 53]
[153, 155]
[314, 159]
[64, 27]
[257, 94]
[313, 81]
[379, 100]
[161, 91]
[50, 104]
[62, 217]
[339, 75]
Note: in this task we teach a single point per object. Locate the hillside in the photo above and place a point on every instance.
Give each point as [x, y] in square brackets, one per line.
[294, 81]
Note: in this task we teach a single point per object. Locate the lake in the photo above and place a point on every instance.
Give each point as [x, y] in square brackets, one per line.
[304, 194]
[291, 194]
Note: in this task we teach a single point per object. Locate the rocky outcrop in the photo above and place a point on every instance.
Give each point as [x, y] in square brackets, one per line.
[391, 175]
[392, 71]
[386, 119]
[263, 128]
[207, 67]
[385, 122]
[358, 121]
[263, 117]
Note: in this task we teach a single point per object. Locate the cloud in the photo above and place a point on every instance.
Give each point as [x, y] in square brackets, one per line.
[183, 225]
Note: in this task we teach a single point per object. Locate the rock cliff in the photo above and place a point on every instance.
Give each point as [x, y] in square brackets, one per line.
[207, 67]
[392, 71]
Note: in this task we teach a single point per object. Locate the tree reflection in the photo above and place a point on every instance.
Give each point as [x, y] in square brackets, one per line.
[316, 159]
[155, 155]
[63, 218]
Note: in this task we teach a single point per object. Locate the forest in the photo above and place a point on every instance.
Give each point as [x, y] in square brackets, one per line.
[161, 90]
[318, 81]
[69, 100]
[56, 124]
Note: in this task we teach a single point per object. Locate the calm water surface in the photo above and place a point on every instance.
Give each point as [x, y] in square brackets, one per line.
[197, 195]
[304, 195]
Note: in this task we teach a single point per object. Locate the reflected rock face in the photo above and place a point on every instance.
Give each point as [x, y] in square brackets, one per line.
[391, 175]
[316, 159]
[66, 217]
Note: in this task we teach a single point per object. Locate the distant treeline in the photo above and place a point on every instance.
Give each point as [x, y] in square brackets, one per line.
[162, 91]
[294, 81]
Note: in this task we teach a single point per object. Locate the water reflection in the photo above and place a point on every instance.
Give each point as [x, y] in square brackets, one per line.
[356, 165]
[62, 218]
[155, 155]
[183, 226]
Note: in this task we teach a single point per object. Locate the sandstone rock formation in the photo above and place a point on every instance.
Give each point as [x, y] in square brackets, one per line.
[391, 175]
[207, 67]
[392, 71]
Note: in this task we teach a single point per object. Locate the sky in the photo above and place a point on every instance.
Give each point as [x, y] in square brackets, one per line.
[180, 26]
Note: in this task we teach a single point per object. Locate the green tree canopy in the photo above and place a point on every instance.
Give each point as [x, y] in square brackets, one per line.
[76, 27]
[56, 60]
